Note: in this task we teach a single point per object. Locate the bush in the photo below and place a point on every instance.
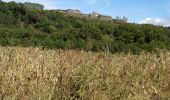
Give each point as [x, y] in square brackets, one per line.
[29, 25]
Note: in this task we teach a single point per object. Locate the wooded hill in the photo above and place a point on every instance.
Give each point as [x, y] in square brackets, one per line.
[27, 24]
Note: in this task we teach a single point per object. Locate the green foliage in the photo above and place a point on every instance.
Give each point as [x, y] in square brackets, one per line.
[28, 24]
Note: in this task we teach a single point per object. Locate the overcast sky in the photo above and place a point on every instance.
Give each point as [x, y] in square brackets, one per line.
[140, 11]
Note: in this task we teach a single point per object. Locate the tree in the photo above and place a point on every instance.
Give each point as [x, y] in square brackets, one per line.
[27, 24]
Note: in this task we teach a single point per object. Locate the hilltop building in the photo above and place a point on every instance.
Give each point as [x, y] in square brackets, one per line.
[92, 15]
[73, 11]
[99, 16]
[70, 11]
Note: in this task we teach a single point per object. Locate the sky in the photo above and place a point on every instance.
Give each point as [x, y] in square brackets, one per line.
[155, 12]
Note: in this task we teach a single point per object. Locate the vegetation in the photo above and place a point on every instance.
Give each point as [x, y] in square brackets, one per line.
[27, 24]
[66, 68]
[35, 74]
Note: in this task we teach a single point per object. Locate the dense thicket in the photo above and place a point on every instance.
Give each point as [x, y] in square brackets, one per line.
[27, 24]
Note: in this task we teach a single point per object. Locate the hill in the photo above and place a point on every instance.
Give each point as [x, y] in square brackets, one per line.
[27, 24]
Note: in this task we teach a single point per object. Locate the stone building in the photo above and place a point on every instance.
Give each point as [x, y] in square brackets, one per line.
[70, 11]
[73, 11]
[94, 15]
[99, 16]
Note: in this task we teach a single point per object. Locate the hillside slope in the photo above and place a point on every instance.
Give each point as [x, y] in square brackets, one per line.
[27, 24]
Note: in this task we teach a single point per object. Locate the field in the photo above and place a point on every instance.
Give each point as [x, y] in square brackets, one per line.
[36, 74]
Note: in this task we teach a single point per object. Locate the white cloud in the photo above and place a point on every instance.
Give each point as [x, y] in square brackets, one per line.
[156, 21]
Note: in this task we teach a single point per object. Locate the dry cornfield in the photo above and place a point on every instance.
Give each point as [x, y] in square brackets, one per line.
[36, 74]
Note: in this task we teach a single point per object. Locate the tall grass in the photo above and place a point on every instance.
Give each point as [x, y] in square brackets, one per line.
[35, 74]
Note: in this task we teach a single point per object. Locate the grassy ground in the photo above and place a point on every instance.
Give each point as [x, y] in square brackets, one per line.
[35, 74]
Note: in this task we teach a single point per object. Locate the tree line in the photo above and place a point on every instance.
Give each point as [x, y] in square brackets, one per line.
[28, 24]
